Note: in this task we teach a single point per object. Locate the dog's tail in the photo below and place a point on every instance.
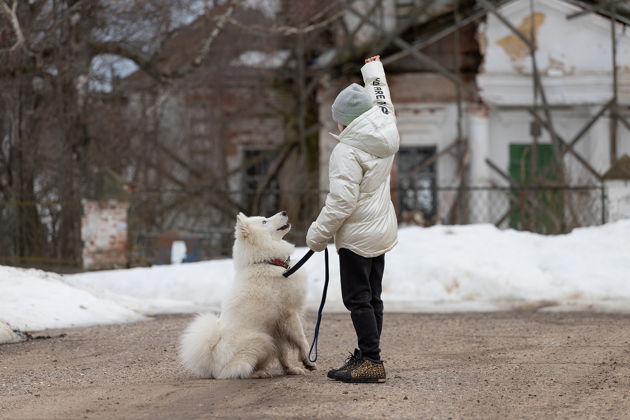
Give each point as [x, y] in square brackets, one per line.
[197, 344]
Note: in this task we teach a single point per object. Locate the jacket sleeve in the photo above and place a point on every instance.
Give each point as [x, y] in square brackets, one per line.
[376, 85]
[345, 177]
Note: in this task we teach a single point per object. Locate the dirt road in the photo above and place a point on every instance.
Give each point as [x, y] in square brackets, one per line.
[502, 365]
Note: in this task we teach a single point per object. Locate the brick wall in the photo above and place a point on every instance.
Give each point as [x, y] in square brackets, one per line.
[104, 234]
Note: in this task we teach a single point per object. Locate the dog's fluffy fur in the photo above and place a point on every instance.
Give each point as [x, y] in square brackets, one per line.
[261, 319]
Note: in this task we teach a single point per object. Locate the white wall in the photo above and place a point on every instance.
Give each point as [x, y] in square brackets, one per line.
[574, 56]
[431, 124]
[565, 46]
[509, 126]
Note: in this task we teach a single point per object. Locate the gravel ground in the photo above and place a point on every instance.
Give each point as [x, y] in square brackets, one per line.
[500, 365]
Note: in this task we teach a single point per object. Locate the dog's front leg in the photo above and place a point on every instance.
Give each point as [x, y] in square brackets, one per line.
[295, 336]
[283, 357]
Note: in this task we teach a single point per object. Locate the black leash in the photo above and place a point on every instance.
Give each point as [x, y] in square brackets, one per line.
[295, 268]
[299, 264]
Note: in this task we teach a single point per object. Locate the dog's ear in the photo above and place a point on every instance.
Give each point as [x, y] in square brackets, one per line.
[243, 229]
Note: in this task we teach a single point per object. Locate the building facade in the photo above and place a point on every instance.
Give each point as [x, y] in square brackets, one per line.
[510, 119]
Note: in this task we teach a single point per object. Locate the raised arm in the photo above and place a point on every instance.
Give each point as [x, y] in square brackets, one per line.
[376, 84]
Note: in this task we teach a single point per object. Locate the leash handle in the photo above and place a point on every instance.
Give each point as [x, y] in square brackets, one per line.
[319, 311]
[299, 264]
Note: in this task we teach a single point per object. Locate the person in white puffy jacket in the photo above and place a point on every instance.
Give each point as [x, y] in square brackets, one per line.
[359, 213]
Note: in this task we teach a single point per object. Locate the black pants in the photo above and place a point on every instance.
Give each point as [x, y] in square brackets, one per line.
[361, 288]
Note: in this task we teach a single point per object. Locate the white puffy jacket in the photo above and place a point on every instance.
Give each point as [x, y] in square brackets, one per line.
[359, 212]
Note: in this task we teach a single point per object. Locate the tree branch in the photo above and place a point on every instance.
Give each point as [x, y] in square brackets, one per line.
[205, 48]
[11, 14]
[144, 61]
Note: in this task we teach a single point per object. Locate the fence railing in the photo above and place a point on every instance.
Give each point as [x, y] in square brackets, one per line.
[31, 233]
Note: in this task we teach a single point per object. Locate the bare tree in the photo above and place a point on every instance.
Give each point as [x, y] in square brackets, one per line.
[49, 111]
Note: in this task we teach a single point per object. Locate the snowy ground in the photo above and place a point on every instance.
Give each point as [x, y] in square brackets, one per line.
[438, 269]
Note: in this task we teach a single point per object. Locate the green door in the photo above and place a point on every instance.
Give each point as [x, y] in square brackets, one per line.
[535, 209]
[521, 161]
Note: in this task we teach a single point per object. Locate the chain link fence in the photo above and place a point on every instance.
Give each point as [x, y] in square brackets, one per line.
[546, 210]
[32, 233]
[40, 234]
[541, 209]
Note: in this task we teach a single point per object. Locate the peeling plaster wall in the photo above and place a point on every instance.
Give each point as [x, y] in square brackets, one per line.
[575, 59]
[574, 56]
[565, 47]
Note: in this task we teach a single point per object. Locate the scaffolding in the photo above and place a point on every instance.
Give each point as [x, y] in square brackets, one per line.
[448, 18]
[350, 30]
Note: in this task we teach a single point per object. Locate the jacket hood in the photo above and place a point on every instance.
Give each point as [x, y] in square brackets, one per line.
[373, 132]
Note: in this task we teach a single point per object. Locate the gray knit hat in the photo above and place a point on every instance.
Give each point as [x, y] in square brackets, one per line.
[350, 103]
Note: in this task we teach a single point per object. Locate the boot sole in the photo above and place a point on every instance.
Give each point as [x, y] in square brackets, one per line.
[363, 380]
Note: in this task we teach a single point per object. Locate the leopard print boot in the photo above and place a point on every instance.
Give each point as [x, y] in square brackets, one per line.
[366, 371]
[350, 362]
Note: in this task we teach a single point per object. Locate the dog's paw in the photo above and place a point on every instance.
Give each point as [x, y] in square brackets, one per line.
[261, 374]
[310, 365]
[294, 371]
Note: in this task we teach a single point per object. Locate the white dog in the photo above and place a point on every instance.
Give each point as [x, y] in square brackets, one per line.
[261, 319]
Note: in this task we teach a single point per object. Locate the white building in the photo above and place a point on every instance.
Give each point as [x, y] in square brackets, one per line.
[575, 63]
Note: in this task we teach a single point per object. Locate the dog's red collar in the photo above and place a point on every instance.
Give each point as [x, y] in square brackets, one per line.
[279, 263]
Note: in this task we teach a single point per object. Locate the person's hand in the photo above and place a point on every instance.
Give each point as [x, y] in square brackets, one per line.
[375, 58]
[315, 247]
[312, 242]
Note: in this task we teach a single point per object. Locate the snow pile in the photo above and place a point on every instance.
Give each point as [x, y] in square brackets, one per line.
[163, 289]
[478, 267]
[34, 300]
[442, 268]
[7, 335]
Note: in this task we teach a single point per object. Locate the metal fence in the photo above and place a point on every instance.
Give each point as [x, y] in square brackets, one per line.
[546, 210]
[207, 230]
[40, 234]
[540, 209]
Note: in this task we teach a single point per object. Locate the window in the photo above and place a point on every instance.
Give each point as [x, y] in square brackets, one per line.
[417, 195]
[254, 175]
